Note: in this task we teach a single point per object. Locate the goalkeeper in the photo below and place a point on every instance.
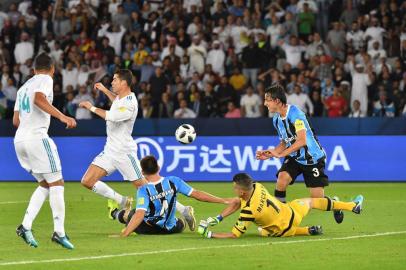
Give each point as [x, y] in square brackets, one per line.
[272, 217]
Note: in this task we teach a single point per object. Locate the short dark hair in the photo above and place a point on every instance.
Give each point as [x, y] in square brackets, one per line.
[126, 75]
[43, 62]
[149, 165]
[276, 91]
[244, 180]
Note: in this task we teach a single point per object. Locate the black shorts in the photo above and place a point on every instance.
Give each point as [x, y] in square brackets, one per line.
[146, 228]
[313, 175]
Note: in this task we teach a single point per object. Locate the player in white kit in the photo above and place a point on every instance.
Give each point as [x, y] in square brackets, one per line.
[120, 150]
[37, 153]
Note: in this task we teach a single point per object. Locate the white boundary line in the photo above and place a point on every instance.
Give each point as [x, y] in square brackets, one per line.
[199, 248]
[12, 202]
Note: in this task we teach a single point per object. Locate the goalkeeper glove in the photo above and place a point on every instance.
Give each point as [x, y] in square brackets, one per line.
[212, 221]
[203, 229]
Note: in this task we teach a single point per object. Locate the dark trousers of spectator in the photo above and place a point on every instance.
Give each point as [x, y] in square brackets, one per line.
[252, 75]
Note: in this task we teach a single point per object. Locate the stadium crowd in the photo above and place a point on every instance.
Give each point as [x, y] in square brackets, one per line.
[205, 58]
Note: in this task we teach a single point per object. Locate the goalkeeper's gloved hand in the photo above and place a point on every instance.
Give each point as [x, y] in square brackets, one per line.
[203, 229]
[213, 221]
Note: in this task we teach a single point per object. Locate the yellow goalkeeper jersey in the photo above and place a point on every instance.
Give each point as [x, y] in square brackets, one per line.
[265, 211]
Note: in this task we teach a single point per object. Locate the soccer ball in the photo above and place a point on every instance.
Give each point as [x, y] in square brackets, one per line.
[185, 134]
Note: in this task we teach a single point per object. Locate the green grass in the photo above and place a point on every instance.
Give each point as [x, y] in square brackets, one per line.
[89, 229]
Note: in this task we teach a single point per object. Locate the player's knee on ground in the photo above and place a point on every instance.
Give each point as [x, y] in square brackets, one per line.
[283, 181]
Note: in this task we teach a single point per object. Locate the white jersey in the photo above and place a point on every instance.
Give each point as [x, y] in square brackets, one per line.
[119, 124]
[34, 122]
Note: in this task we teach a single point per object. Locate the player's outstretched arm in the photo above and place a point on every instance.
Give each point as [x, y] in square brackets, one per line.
[41, 101]
[135, 221]
[234, 204]
[265, 154]
[206, 197]
[89, 106]
[107, 92]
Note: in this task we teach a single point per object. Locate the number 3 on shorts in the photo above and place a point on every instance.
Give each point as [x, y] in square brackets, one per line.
[316, 172]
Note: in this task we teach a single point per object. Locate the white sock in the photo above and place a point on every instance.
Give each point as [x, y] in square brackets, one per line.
[37, 200]
[57, 202]
[106, 191]
[180, 208]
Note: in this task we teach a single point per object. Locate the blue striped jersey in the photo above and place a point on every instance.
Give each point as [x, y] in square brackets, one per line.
[158, 199]
[296, 120]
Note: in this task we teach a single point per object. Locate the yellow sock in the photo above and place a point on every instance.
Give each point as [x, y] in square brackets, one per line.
[321, 204]
[302, 231]
[337, 205]
[326, 204]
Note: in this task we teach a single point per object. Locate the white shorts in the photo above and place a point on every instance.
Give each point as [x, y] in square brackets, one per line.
[127, 164]
[40, 158]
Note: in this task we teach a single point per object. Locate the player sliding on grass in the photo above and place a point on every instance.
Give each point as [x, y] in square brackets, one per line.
[155, 211]
[273, 217]
[37, 153]
[298, 145]
[120, 151]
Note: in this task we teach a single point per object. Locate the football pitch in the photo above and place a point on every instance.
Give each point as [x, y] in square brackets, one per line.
[376, 239]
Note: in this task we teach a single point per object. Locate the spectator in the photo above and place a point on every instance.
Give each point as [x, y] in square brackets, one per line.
[251, 104]
[355, 37]
[327, 88]
[238, 81]
[121, 18]
[45, 24]
[232, 111]
[225, 94]
[115, 36]
[293, 51]
[336, 105]
[384, 107]
[210, 100]
[24, 50]
[147, 69]
[159, 84]
[10, 94]
[349, 15]
[274, 31]
[197, 53]
[318, 106]
[356, 110]
[198, 106]
[301, 100]
[147, 110]
[374, 33]
[70, 76]
[316, 48]
[306, 21]
[83, 95]
[216, 58]
[376, 53]
[184, 111]
[336, 40]
[62, 24]
[250, 56]
[360, 82]
[140, 54]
